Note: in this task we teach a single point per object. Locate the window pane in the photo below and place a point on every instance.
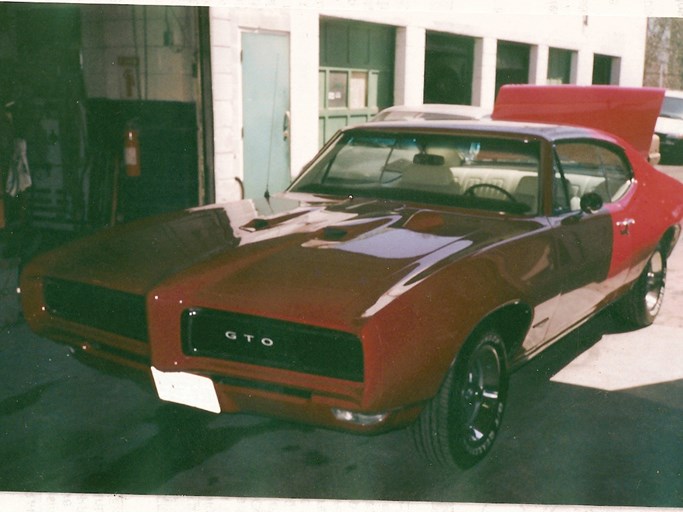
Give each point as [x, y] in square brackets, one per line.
[336, 90]
[559, 66]
[595, 168]
[672, 107]
[617, 174]
[358, 95]
[561, 202]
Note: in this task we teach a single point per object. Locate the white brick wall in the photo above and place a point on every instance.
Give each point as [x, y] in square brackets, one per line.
[304, 102]
[410, 65]
[225, 62]
[484, 80]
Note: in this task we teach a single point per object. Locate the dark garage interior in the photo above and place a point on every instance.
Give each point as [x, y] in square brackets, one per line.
[75, 140]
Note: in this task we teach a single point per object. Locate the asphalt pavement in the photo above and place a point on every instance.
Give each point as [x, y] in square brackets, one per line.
[596, 420]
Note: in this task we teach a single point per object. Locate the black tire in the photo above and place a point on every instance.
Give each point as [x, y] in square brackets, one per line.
[643, 302]
[460, 424]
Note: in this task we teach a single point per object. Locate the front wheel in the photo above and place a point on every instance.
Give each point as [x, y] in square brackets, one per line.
[460, 424]
[643, 302]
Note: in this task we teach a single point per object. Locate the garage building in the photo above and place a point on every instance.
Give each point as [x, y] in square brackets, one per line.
[133, 110]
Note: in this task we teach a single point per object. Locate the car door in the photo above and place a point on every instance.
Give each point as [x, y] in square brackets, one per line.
[592, 247]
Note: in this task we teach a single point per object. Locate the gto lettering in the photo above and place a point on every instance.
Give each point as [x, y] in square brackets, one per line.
[234, 336]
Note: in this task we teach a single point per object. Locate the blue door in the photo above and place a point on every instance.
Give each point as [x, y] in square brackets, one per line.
[265, 86]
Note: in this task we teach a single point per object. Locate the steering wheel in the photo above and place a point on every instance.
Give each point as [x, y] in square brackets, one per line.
[470, 190]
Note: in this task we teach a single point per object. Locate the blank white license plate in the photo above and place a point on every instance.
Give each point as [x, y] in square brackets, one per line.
[187, 389]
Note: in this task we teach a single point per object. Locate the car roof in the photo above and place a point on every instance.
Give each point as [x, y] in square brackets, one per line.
[673, 94]
[550, 132]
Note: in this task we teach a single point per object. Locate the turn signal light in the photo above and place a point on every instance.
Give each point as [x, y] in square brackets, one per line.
[359, 418]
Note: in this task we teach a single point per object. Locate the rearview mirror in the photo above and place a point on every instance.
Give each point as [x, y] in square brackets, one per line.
[591, 202]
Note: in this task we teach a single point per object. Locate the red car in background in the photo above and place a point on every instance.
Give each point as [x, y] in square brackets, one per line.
[398, 281]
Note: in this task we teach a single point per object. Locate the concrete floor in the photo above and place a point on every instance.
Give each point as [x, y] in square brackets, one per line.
[595, 420]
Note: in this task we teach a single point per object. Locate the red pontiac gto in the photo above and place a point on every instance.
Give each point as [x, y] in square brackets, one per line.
[399, 280]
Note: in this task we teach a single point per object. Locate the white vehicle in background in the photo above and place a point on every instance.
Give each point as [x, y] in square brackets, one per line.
[432, 112]
[669, 127]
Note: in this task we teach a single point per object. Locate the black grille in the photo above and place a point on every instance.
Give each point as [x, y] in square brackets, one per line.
[108, 310]
[273, 343]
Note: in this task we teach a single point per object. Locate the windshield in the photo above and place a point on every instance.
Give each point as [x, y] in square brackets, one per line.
[471, 171]
[672, 107]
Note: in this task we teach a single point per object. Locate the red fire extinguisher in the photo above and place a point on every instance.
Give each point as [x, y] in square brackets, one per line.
[131, 151]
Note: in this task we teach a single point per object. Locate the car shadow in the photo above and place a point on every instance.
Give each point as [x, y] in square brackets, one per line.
[183, 439]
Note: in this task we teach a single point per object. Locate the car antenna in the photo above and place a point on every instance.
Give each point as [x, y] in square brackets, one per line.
[266, 194]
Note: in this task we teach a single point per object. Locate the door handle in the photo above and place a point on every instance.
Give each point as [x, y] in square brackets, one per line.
[285, 125]
[625, 225]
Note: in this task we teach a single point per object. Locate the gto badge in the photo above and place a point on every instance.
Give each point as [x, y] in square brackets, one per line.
[233, 336]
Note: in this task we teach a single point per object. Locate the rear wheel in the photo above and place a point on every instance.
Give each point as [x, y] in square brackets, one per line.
[460, 424]
[643, 302]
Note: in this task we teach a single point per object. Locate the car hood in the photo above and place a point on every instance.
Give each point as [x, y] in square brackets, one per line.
[294, 253]
[628, 112]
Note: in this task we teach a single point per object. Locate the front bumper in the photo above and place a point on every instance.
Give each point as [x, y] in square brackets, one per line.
[222, 394]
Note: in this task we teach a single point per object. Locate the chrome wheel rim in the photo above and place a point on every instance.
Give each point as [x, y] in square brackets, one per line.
[481, 393]
[654, 283]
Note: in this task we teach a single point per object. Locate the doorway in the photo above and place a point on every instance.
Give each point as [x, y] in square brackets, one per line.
[449, 61]
[512, 64]
[265, 107]
[603, 66]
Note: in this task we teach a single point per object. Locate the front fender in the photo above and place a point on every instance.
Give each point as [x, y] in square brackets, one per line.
[410, 345]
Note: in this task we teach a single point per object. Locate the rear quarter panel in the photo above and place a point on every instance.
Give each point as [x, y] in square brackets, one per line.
[656, 205]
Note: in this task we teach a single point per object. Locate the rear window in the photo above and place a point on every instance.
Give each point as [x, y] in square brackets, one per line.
[672, 107]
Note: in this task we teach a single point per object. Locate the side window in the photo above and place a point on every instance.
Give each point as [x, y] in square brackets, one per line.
[617, 173]
[588, 166]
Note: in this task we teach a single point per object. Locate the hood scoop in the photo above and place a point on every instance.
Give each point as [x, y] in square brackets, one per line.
[260, 223]
[334, 233]
[256, 225]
